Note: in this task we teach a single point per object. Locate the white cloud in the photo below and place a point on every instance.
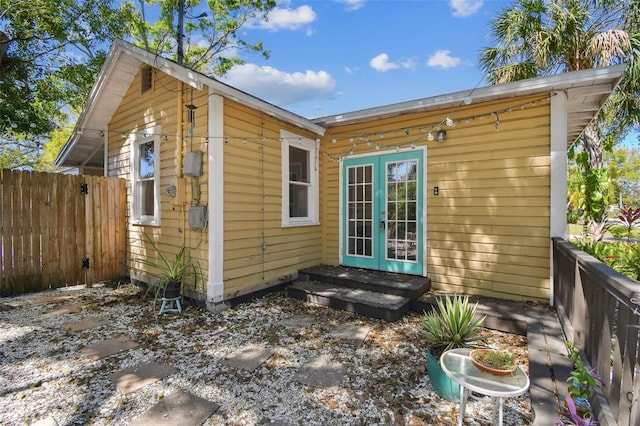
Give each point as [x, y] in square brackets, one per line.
[381, 63]
[279, 87]
[464, 8]
[443, 59]
[353, 4]
[409, 64]
[284, 18]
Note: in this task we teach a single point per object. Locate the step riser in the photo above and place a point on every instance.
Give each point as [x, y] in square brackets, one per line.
[359, 285]
[358, 308]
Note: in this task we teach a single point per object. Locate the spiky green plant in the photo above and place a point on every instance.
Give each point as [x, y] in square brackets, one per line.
[452, 325]
[175, 269]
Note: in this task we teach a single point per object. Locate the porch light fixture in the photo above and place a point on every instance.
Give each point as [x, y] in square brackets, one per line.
[191, 114]
[441, 135]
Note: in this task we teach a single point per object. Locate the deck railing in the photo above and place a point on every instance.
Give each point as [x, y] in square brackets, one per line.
[599, 310]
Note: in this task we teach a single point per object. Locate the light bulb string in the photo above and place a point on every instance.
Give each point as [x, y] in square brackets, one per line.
[355, 140]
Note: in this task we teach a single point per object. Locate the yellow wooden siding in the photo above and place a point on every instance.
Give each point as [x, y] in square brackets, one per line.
[163, 106]
[488, 229]
[253, 206]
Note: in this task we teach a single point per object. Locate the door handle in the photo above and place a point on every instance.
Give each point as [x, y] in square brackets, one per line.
[382, 225]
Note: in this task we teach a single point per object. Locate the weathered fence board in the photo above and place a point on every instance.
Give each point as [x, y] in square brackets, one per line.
[47, 228]
[600, 312]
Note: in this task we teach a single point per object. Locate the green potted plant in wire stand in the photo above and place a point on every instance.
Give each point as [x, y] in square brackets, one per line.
[173, 271]
[451, 324]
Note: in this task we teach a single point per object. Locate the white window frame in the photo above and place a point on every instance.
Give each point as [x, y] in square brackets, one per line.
[151, 134]
[309, 145]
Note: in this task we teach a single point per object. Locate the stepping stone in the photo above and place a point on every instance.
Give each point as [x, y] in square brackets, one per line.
[50, 299]
[350, 332]
[297, 322]
[84, 324]
[108, 347]
[70, 308]
[322, 372]
[133, 378]
[6, 307]
[47, 421]
[178, 408]
[248, 358]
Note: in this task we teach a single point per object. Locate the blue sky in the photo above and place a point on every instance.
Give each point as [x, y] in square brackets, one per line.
[335, 56]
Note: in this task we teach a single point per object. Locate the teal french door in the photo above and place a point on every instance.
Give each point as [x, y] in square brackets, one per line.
[382, 212]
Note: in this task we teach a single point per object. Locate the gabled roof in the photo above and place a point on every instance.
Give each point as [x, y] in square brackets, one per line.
[86, 149]
[586, 90]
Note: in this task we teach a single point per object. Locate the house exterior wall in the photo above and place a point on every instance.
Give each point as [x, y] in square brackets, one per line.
[258, 251]
[488, 229]
[164, 106]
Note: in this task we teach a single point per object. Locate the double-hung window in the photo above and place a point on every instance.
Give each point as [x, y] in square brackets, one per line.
[299, 180]
[145, 177]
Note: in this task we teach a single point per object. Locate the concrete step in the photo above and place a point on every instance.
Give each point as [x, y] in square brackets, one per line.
[389, 307]
[409, 286]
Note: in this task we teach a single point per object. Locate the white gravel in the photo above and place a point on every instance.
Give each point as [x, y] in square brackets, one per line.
[44, 376]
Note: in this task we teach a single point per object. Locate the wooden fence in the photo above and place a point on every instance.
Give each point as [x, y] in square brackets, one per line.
[58, 230]
[599, 310]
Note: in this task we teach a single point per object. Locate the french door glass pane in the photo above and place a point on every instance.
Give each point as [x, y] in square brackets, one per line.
[360, 210]
[401, 178]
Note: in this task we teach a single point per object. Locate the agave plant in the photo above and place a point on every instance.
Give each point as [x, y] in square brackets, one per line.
[171, 270]
[452, 325]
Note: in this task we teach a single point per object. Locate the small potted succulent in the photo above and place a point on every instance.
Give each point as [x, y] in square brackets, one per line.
[500, 363]
[451, 324]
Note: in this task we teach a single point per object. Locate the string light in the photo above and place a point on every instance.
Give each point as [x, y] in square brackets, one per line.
[421, 132]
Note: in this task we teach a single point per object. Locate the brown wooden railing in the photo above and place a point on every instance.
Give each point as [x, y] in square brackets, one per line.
[599, 310]
[58, 230]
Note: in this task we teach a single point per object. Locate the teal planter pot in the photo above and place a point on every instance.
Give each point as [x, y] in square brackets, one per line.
[444, 386]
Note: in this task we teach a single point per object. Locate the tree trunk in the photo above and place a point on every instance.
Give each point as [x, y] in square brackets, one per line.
[593, 145]
[4, 45]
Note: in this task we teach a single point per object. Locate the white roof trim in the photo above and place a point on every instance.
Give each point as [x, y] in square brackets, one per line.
[198, 81]
[554, 82]
[121, 49]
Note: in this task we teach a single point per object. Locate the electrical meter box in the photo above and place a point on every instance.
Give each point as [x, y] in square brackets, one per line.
[197, 217]
[192, 165]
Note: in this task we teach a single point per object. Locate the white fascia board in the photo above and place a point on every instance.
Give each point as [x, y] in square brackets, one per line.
[198, 81]
[561, 81]
[90, 104]
[266, 107]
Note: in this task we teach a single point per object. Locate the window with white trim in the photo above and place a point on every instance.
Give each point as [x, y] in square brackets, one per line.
[299, 180]
[145, 177]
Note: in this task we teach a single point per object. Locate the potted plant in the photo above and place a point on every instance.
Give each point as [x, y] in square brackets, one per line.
[500, 363]
[581, 383]
[451, 324]
[172, 270]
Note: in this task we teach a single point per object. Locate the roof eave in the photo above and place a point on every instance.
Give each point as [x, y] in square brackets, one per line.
[501, 91]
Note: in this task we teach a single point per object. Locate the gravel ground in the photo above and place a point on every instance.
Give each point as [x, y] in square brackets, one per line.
[44, 376]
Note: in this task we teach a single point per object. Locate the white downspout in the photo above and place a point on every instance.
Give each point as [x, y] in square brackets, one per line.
[558, 190]
[215, 162]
